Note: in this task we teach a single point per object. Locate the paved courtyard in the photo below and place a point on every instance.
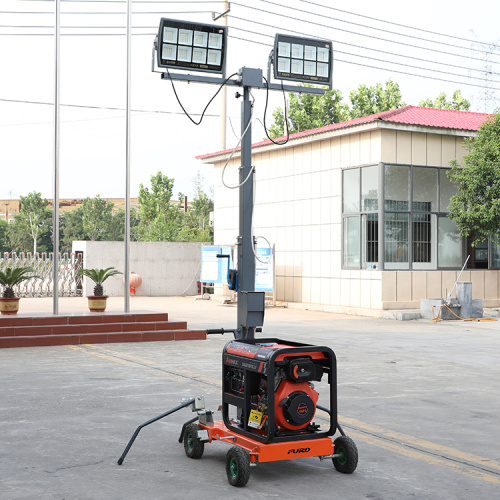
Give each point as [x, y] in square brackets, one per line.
[420, 400]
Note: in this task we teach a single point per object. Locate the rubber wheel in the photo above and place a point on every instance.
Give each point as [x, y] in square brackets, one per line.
[237, 466]
[348, 459]
[193, 447]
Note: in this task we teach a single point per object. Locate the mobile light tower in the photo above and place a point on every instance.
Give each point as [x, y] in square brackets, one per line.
[202, 48]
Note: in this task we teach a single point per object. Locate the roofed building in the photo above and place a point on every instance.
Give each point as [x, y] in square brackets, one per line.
[358, 211]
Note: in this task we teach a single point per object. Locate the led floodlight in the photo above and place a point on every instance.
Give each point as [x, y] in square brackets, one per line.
[194, 46]
[303, 59]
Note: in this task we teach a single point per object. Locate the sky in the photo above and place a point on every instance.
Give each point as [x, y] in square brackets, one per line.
[372, 42]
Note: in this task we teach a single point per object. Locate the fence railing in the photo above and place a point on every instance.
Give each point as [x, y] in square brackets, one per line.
[70, 284]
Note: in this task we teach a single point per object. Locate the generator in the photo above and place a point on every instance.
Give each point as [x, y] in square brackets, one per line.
[270, 394]
[269, 389]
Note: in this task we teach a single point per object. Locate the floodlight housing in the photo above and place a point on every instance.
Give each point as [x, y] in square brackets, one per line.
[303, 59]
[191, 46]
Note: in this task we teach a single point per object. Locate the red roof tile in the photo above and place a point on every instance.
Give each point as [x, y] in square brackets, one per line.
[408, 115]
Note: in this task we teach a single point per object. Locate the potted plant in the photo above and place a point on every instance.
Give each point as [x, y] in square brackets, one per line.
[9, 278]
[97, 302]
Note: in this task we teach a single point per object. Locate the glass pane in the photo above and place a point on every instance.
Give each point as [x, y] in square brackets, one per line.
[425, 189]
[421, 237]
[495, 253]
[396, 241]
[447, 190]
[351, 242]
[369, 227]
[449, 244]
[351, 190]
[369, 188]
[397, 187]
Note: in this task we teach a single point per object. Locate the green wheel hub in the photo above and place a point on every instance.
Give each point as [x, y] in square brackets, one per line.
[233, 467]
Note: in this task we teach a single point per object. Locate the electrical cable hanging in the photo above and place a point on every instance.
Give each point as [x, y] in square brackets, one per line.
[252, 169]
[285, 113]
[209, 102]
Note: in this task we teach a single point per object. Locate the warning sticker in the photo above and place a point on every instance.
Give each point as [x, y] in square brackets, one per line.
[255, 419]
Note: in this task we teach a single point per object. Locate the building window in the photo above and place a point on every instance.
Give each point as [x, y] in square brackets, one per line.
[351, 242]
[495, 253]
[449, 244]
[351, 190]
[396, 241]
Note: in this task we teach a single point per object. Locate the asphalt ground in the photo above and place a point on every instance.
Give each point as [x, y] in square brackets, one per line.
[420, 399]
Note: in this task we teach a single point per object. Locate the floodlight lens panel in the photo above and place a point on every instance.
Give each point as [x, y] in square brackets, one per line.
[302, 59]
[215, 41]
[200, 39]
[185, 37]
[191, 46]
[297, 51]
[284, 49]
[199, 55]
[214, 57]
[169, 52]
[170, 35]
[284, 64]
[309, 68]
[310, 53]
[322, 70]
[323, 55]
[184, 54]
[297, 67]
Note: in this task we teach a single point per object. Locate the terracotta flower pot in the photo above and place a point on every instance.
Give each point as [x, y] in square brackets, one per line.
[97, 304]
[9, 306]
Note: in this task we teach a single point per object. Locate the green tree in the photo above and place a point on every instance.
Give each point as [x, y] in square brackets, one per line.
[195, 224]
[3, 235]
[307, 111]
[97, 215]
[458, 102]
[32, 225]
[71, 226]
[158, 218]
[370, 100]
[476, 206]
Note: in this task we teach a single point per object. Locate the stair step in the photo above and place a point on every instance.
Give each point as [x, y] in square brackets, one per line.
[80, 319]
[78, 328]
[102, 338]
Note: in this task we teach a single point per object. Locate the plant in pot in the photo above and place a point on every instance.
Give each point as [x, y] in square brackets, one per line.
[97, 302]
[9, 278]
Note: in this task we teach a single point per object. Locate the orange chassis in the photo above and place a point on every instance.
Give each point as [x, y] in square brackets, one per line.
[269, 452]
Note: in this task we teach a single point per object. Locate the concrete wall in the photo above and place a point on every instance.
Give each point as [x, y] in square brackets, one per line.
[404, 289]
[166, 268]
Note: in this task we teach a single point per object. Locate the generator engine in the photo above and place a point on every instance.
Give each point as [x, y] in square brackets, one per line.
[269, 391]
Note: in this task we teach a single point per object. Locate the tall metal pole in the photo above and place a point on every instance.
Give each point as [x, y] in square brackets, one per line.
[127, 163]
[55, 219]
[246, 259]
[223, 107]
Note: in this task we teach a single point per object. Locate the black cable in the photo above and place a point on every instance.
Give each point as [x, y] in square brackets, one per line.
[285, 114]
[366, 26]
[392, 22]
[209, 102]
[350, 32]
[383, 52]
[382, 69]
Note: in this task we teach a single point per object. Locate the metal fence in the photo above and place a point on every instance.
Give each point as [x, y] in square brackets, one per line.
[70, 285]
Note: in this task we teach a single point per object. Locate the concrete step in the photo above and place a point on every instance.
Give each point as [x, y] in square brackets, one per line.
[102, 338]
[19, 331]
[92, 328]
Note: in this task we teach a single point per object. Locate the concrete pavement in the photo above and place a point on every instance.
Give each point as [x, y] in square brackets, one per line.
[420, 400]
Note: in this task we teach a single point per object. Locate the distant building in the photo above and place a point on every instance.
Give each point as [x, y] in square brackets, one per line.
[10, 208]
[357, 211]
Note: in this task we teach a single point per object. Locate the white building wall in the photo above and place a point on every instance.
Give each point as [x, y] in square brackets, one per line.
[166, 268]
[298, 207]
